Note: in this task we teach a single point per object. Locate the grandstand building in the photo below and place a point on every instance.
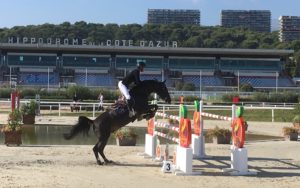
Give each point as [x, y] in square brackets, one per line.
[289, 28]
[179, 16]
[255, 20]
[89, 65]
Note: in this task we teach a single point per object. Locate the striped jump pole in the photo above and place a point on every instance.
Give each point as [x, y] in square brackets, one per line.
[174, 139]
[198, 138]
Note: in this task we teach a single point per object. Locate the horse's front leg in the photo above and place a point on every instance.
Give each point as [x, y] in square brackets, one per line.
[151, 111]
[152, 107]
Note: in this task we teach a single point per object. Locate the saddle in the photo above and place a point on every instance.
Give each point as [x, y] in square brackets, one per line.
[119, 107]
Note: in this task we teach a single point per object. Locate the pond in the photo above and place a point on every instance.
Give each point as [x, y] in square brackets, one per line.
[53, 135]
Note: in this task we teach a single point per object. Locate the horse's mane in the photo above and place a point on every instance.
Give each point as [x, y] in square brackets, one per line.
[144, 85]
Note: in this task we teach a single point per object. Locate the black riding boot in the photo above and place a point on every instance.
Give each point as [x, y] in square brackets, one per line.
[130, 109]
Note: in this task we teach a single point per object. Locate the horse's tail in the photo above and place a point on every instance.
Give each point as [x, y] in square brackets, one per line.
[83, 125]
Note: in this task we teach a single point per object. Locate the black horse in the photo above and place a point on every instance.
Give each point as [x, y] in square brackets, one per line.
[110, 121]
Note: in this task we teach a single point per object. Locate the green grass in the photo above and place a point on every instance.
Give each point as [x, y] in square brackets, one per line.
[253, 115]
[249, 115]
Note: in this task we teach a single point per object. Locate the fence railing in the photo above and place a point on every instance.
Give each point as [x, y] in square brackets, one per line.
[64, 108]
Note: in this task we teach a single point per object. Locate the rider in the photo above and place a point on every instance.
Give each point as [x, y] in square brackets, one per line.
[132, 77]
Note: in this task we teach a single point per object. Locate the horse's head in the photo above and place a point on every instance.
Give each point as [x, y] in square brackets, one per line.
[163, 92]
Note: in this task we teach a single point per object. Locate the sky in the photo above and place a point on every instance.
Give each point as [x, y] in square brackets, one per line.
[36, 12]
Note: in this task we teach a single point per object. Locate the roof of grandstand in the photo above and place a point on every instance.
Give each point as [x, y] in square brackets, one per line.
[149, 51]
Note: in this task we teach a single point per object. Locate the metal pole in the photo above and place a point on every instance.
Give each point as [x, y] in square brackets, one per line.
[9, 77]
[59, 109]
[94, 110]
[238, 81]
[85, 77]
[202, 137]
[233, 110]
[276, 81]
[162, 70]
[201, 119]
[48, 80]
[201, 84]
[127, 61]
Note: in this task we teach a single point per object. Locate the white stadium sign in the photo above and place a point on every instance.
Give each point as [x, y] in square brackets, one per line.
[66, 41]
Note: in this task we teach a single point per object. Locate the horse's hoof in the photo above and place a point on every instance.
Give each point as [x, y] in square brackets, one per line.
[100, 163]
[109, 162]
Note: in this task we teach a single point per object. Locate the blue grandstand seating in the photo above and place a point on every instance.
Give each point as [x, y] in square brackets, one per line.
[285, 82]
[93, 79]
[151, 77]
[266, 81]
[34, 78]
[206, 80]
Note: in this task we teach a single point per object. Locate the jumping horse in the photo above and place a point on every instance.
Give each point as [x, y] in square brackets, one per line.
[110, 120]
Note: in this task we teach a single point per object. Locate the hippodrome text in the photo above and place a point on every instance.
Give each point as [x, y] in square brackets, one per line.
[108, 43]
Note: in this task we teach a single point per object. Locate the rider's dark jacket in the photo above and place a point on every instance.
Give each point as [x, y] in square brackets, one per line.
[133, 77]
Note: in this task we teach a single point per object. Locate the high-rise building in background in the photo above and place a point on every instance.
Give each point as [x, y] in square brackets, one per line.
[289, 28]
[180, 16]
[255, 20]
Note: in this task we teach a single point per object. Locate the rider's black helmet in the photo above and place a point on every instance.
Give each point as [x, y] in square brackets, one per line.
[141, 64]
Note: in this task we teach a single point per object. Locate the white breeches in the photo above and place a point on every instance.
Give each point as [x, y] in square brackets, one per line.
[124, 90]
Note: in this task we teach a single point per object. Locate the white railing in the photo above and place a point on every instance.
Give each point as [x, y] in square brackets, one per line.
[50, 107]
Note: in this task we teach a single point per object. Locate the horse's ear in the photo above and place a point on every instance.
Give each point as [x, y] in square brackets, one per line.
[164, 81]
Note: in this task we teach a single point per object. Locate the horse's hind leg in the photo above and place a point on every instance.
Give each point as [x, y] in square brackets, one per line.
[96, 150]
[101, 150]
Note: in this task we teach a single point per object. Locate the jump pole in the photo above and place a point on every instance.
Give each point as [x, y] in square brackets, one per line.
[198, 141]
[239, 154]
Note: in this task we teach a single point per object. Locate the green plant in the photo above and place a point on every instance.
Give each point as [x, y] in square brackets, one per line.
[5, 92]
[260, 97]
[178, 85]
[229, 97]
[289, 130]
[29, 108]
[125, 132]
[188, 87]
[296, 119]
[29, 93]
[83, 93]
[216, 132]
[13, 122]
[246, 87]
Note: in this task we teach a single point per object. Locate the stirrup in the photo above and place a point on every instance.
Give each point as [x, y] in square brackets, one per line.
[131, 113]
